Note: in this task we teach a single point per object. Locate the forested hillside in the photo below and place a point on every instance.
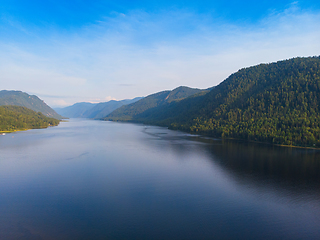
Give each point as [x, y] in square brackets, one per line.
[132, 112]
[32, 102]
[275, 103]
[14, 118]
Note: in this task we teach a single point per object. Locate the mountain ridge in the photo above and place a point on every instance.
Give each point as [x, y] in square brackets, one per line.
[76, 110]
[93, 110]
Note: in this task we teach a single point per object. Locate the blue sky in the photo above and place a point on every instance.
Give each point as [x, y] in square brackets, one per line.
[72, 51]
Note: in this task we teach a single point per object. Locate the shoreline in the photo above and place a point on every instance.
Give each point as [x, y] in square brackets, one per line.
[251, 141]
[25, 129]
[18, 130]
[207, 135]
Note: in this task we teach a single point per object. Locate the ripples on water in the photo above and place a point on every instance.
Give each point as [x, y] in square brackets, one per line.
[104, 180]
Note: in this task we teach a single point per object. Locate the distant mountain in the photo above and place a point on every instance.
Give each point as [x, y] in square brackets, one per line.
[77, 110]
[15, 118]
[93, 110]
[277, 103]
[101, 110]
[152, 102]
[23, 99]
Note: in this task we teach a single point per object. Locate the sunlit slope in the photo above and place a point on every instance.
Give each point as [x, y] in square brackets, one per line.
[153, 101]
[14, 118]
[23, 99]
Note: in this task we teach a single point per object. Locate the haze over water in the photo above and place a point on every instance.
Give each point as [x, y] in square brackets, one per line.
[105, 180]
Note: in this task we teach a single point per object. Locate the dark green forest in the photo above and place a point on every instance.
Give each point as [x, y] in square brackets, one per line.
[277, 103]
[14, 118]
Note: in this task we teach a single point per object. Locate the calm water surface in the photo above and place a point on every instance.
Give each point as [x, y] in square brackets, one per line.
[104, 180]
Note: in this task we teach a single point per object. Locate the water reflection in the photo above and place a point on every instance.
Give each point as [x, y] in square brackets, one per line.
[279, 164]
[103, 180]
[294, 166]
[282, 170]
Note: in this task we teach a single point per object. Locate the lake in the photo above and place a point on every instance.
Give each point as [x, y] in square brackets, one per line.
[90, 179]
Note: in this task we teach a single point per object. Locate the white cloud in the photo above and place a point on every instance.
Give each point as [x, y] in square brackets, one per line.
[60, 102]
[14, 76]
[98, 100]
[139, 54]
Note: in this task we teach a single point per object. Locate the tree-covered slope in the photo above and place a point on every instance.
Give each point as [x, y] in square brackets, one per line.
[133, 111]
[275, 103]
[14, 118]
[32, 102]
